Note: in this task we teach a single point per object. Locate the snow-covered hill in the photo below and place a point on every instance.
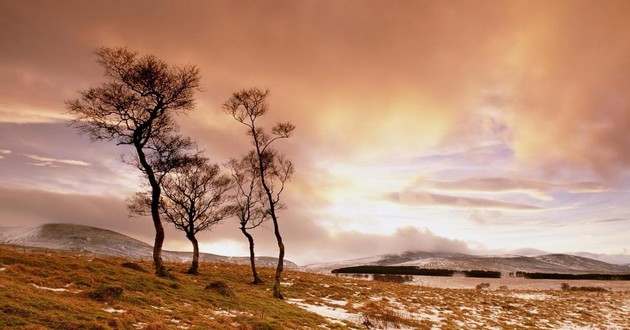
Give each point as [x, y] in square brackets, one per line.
[103, 241]
[549, 263]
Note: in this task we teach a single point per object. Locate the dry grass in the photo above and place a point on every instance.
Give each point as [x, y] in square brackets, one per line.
[148, 302]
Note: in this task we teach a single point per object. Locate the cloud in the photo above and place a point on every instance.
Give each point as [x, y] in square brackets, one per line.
[537, 189]
[48, 161]
[4, 152]
[105, 174]
[25, 113]
[570, 85]
[482, 217]
[496, 91]
[309, 241]
[306, 241]
[431, 199]
[612, 220]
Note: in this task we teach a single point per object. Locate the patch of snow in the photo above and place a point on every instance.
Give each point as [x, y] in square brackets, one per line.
[335, 315]
[572, 326]
[49, 289]
[432, 315]
[286, 283]
[162, 309]
[2, 269]
[230, 313]
[114, 310]
[531, 296]
[224, 313]
[335, 302]
[139, 325]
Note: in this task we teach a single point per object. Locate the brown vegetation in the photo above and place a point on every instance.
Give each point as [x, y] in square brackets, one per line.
[51, 290]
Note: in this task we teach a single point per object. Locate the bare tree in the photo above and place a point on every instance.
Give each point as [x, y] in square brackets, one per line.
[246, 107]
[135, 107]
[250, 204]
[195, 197]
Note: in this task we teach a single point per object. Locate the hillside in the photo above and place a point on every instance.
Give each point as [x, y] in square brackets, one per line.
[550, 263]
[47, 289]
[104, 241]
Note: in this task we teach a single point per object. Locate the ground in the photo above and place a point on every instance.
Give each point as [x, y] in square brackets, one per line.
[44, 289]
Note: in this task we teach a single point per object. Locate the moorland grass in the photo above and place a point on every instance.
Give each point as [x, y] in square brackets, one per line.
[46, 289]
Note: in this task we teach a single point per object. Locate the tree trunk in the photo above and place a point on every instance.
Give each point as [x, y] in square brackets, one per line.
[160, 270]
[279, 268]
[272, 211]
[194, 267]
[252, 257]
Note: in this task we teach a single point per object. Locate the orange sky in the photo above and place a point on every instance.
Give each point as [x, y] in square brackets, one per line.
[463, 125]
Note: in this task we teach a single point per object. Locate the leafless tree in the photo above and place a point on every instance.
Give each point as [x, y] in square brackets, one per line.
[195, 197]
[134, 107]
[250, 206]
[246, 107]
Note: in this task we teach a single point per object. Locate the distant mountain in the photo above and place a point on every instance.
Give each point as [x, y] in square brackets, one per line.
[104, 241]
[618, 259]
[615, 259]
[549, 263]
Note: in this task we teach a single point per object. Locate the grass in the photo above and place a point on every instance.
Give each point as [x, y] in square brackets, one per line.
[42, 289]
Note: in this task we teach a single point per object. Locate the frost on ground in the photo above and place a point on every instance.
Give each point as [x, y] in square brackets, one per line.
[531, 296]
[360, 303]
[114, 310]
[55, 289]
[333, 314]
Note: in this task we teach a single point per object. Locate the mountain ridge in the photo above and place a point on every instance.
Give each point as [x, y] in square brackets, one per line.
[84, 238]
[547, 263]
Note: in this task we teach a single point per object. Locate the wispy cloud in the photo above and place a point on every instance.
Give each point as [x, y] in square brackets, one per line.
[536, 189]
[428, 199]
[49, 161]
[4, 152]
[21, 113]
[613, 220]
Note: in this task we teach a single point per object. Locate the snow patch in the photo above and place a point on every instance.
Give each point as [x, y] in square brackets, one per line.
[114, 310]
[55, 289]
[335, 302]
[531, 296]
[334, 315]
[162, 309]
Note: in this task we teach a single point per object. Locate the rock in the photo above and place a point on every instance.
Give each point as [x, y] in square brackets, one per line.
[107, 293]
[482, 286]
[134, 266]
[220, 288]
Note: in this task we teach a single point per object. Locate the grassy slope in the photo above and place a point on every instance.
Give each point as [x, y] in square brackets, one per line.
[152, 303]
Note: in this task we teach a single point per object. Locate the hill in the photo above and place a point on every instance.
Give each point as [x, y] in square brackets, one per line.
[550, 263]
[104, 241]
[60, 289]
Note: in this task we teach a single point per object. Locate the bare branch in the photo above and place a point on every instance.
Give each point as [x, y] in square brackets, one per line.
[135, 107]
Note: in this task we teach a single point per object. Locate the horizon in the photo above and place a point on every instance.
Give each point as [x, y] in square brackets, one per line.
[420, 126]
[619, 259]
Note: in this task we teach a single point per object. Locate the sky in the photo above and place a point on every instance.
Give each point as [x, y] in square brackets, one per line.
[461, 126]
